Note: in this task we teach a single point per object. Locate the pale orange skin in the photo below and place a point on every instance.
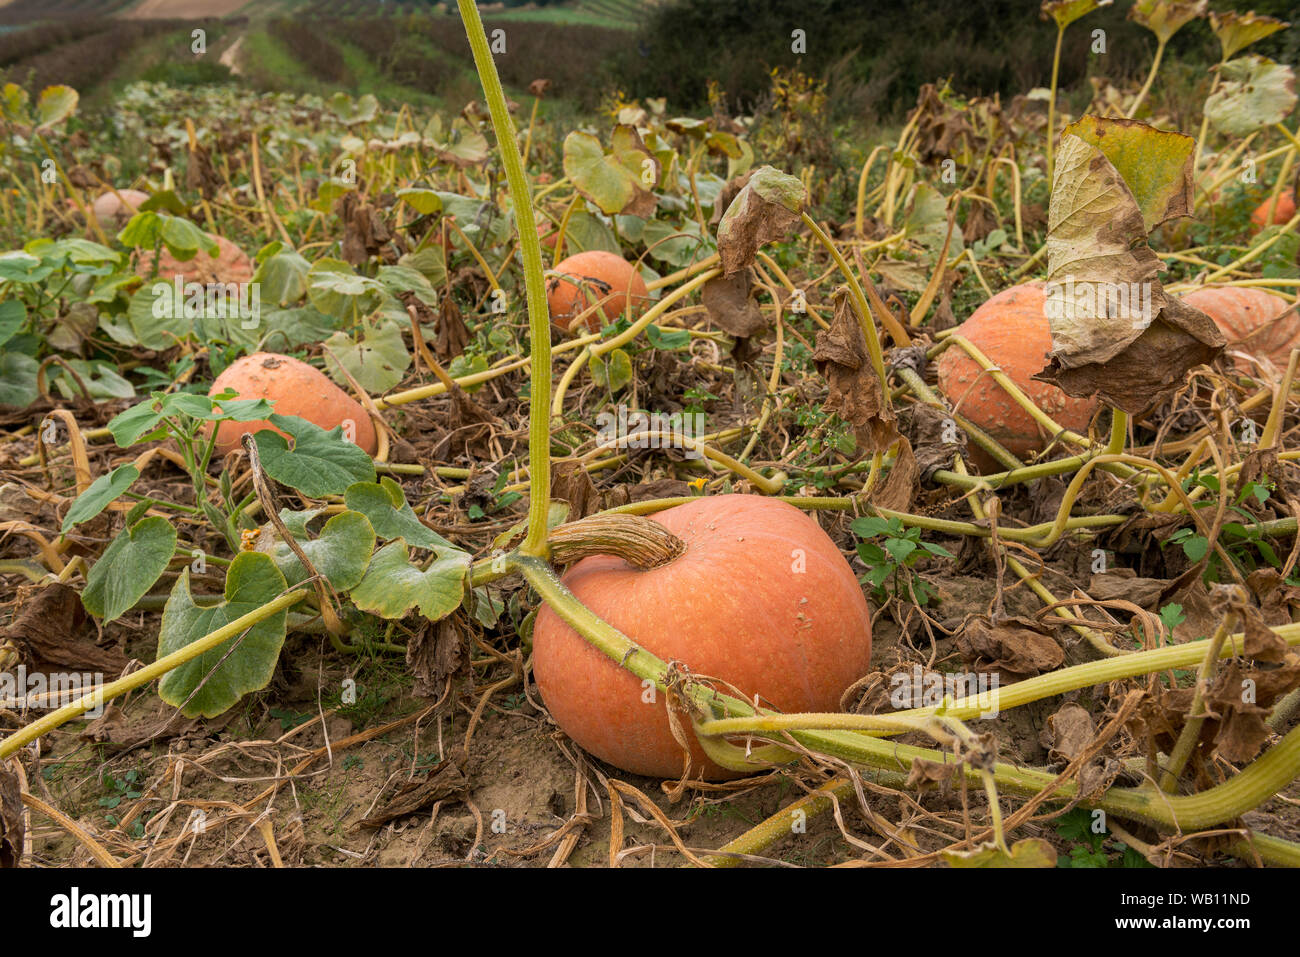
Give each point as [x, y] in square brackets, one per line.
[231, 264]
[1239, 311]
[1282, 212]
[585, 278]
[295, 388]
[732, 607]
[1013, 331]
[108, 207]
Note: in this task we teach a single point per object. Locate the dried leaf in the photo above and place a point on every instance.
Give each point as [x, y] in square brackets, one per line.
[11, 818]
[765, 209]
[1164, 18]
[1114, 331]
[1019, 646]
[446, 780]
[855, 391]
[50, 627]
[1068, 734]
[732, 306]
[1030, 852]
[437, 652]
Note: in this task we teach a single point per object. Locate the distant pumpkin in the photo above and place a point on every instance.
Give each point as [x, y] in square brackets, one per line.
[230, 265]
[293, 388]
[584, 279]
[1254, 321]
[1282, 210]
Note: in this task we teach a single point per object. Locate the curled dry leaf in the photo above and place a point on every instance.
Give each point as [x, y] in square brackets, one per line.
[1068, 733]
[732, 306]
[765, 209]
[1019, 646]
[1114, 330]
[1236, 31]
[855, 391]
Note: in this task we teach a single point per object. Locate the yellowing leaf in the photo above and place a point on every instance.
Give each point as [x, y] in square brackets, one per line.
[1031, 852]
[1065, 12]
[1254, 92]
[618, 182]
[1164, 18]
[1236, 31]
[1156, 165]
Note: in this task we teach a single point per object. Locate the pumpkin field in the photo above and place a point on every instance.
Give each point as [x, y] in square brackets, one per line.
[425, 443]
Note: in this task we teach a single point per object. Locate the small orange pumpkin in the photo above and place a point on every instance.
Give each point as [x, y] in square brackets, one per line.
[1012, 329]
[581, 280]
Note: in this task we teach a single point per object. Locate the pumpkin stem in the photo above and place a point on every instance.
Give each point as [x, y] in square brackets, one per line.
[637, 540]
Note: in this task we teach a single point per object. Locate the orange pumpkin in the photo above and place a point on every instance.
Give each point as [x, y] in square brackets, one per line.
[231, 264]
[1013, 331]
[582, 280]
[761, 599]
[1254, 321]
[1282, 211]
[294, 388]
[117, 208]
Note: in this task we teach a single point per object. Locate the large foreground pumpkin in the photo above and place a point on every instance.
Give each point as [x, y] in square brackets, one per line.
[294, 388]
[1012, 329]
[1249, 320]
[761, 598]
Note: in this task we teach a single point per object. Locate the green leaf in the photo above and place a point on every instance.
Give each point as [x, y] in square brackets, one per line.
[340, 554]
[377, 361]
[143, 420]
[1254, 92]
[226, 675]
[869, 526]
[56, 104]
[12, 316]
[899, 548]
[619, 182]
[320, 463]
[669, 340]
[614, 372]
[1065, 12]
[364, 109]
[283, 278]
[586, 232]
[392, 586]
[129, 567]
[390, 514]
[96, 498]
[18, 379]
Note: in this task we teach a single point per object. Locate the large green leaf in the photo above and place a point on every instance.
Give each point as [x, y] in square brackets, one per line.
[377, 360]
[340, 554]
[12, 316]
[393, 586]
[129, 567]
[320, 463]
[1156, 164]
[390, 515]
[225, 675]
[105, 489]
[18, 379]
[283, 276]
[142, 422]
[1254, 92]
[618, 182]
